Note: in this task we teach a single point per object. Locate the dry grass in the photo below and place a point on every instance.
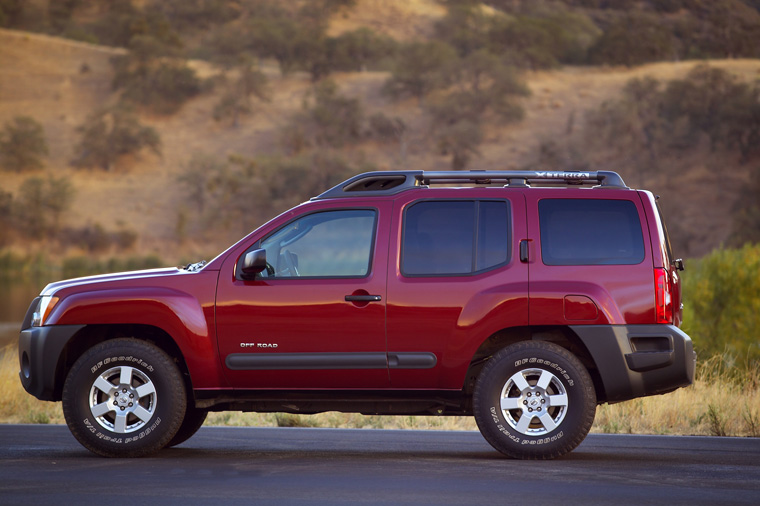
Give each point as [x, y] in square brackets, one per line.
[718, 404]
[43, 78]
[401, 19]
[16, 406]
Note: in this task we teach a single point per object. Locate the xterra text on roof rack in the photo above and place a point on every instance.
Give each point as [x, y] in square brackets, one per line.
[525, 306]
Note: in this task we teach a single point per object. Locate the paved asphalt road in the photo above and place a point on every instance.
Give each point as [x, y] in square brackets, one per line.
[226, 465]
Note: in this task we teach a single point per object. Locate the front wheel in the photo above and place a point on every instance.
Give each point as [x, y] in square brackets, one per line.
[193, 421]
[124, 398]
[534, 400]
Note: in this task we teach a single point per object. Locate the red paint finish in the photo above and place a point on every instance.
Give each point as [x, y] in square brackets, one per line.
[451, 316]
[304, 315]
[610, 287]
[179, 303]
[580, 308]
[212, 315]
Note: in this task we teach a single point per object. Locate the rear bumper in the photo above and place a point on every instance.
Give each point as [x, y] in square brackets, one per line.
[639, 360]
[39, 351]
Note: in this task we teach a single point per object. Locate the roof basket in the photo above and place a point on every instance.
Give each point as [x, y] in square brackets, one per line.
[391, 182]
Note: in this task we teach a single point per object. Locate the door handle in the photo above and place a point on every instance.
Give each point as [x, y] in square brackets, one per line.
[363, 298]
[524, 251]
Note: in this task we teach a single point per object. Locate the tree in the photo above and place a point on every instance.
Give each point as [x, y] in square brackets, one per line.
[291, 42]
[11, 12]
[359, 49]
[543, 38]
[22, 144]
[328, 119]
[6, 216]
[109, 134]
[237, 99]
[714, 103]
[387, 129]
[150, 81]
[746, 225]
[60, 12]
[634, 39]
[731, 28]
[420, 68]
[461, 141]
[635, 122]
[40, 204]
[124, 20]
[197, 177]
[483, 89]
[465, 27]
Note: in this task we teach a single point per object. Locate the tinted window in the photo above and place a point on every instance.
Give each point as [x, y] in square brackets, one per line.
[590, 232]
[454, 237]
[327, 244]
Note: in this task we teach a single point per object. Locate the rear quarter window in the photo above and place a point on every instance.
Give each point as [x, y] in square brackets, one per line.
[590, 232]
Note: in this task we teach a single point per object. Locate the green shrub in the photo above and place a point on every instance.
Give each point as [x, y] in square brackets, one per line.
[40, 204]
[109, 134]
[328, 119]
[722, 303]
[22, 144]
[157, 84]
[360, 49]
[420, 68]
[634, 39]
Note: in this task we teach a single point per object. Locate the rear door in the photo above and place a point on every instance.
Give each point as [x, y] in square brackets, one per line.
[455, 279]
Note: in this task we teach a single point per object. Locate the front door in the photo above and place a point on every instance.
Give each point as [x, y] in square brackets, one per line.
[315, 318]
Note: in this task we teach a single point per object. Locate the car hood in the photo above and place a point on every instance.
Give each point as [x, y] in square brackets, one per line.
[52, 288]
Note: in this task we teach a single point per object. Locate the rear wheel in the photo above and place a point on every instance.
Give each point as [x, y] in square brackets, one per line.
[124, 398]
[534, 400]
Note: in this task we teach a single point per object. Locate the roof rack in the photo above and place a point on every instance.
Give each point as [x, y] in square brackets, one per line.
[392, 182]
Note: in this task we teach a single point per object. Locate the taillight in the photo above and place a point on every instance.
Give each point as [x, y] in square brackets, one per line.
[663, 300]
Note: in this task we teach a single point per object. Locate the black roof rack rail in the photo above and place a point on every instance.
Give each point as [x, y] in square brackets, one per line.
[391, 182]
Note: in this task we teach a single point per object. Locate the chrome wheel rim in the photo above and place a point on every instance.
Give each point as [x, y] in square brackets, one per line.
[122, 399]
[534, 402]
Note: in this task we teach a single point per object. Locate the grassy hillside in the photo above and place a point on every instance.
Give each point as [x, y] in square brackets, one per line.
[280, 99]
[60, 82]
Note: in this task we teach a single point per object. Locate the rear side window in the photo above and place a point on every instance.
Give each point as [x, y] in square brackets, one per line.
[590, 232]
[450, 238]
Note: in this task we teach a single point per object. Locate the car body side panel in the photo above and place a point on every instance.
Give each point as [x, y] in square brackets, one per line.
[183, 308]
[451, 316]
[624, 294]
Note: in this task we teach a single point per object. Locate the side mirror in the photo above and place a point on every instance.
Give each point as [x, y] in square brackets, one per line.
[678, 264]
[254, 262]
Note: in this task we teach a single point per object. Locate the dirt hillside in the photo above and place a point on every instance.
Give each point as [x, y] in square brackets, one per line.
[60, 82]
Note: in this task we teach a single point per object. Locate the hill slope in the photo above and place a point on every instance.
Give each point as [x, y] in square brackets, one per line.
[59, 83]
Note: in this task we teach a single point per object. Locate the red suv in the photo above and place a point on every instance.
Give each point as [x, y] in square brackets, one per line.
[493, 294]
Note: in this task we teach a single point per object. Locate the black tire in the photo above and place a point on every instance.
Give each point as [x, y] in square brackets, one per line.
[124, 398]
[534, 400]
[193, 421]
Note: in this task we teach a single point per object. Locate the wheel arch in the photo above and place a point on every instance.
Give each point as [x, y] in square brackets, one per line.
[92, 335]
[560, 335]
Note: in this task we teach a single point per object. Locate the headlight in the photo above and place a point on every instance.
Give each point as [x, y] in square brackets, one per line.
[47, 303]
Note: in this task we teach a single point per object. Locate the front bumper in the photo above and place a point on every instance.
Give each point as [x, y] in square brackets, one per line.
[639, 360]
[39, 353]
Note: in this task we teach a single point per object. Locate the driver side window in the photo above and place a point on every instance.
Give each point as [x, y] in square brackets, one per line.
[322, 245]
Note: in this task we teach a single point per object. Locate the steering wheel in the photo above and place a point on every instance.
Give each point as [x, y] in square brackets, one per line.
[290, 262]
